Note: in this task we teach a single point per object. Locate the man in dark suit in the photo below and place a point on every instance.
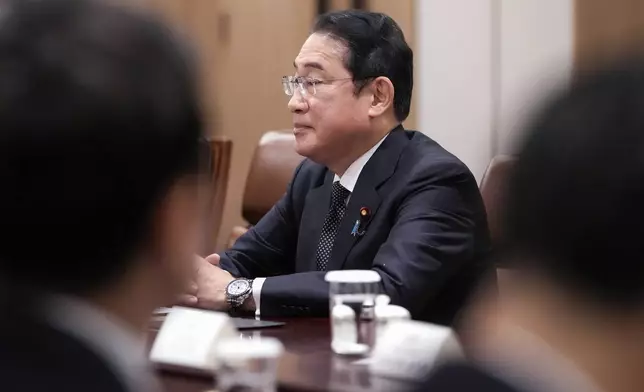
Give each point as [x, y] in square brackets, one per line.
[571, 316]
[371, 195]
[99, 130]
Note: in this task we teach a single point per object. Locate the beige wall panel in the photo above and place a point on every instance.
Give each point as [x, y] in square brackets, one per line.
[262, 39]
[607, 28]
[244, 47]
[340, 4]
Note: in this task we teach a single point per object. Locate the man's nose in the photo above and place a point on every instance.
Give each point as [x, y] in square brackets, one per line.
[297, 103]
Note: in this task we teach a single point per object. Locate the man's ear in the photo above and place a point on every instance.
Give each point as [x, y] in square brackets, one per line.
[382, 92]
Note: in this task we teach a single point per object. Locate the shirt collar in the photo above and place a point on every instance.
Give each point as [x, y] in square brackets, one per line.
[123, 349]
[351, 175]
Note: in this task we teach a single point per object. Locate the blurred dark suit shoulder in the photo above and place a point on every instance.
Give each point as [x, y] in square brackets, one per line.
[464, 378]
[36, 357]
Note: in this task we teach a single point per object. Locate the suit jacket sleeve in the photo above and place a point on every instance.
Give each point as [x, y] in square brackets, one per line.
[267, 248]
[432, 236]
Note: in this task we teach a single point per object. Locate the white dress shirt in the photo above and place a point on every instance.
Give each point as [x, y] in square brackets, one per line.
[122, 349]
[347, 180]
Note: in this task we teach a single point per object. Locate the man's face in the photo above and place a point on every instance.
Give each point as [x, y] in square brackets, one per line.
[327, 124]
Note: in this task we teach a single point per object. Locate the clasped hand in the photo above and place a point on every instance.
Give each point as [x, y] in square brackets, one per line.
[208, 290]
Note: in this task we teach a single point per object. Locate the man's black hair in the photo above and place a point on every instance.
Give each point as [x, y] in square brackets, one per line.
[376, 47]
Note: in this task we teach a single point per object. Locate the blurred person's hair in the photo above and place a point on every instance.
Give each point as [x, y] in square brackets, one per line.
[98, 119]
[376, 47]
[576, 198]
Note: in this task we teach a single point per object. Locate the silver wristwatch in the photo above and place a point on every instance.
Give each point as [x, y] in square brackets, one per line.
[238, 291]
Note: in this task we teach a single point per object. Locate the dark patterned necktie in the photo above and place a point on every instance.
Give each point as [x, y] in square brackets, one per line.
[339, 196]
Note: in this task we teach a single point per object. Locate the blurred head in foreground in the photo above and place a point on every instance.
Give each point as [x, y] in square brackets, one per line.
[99, 130]
[575, 213]
[574, 232]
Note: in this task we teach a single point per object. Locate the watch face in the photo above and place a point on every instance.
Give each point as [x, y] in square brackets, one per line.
[238, 287]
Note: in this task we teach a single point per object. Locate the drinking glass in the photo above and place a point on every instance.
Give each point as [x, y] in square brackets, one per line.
[352, 295]
[248, 365]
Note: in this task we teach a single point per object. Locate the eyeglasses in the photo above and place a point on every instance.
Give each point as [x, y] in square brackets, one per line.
[306, 86]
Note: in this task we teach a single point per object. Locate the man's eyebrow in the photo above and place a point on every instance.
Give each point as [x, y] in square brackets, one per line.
[310, 65]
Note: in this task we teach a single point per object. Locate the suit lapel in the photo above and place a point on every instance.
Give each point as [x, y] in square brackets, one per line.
[365, 194]
[316, 207]
[361, 197]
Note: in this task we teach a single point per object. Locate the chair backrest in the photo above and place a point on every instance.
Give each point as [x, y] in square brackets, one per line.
[493, 189]
[272, 167]
[216, 153]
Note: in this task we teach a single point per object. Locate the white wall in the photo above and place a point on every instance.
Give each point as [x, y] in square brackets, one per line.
[454, 48]
[536, 56]
[481, 66]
